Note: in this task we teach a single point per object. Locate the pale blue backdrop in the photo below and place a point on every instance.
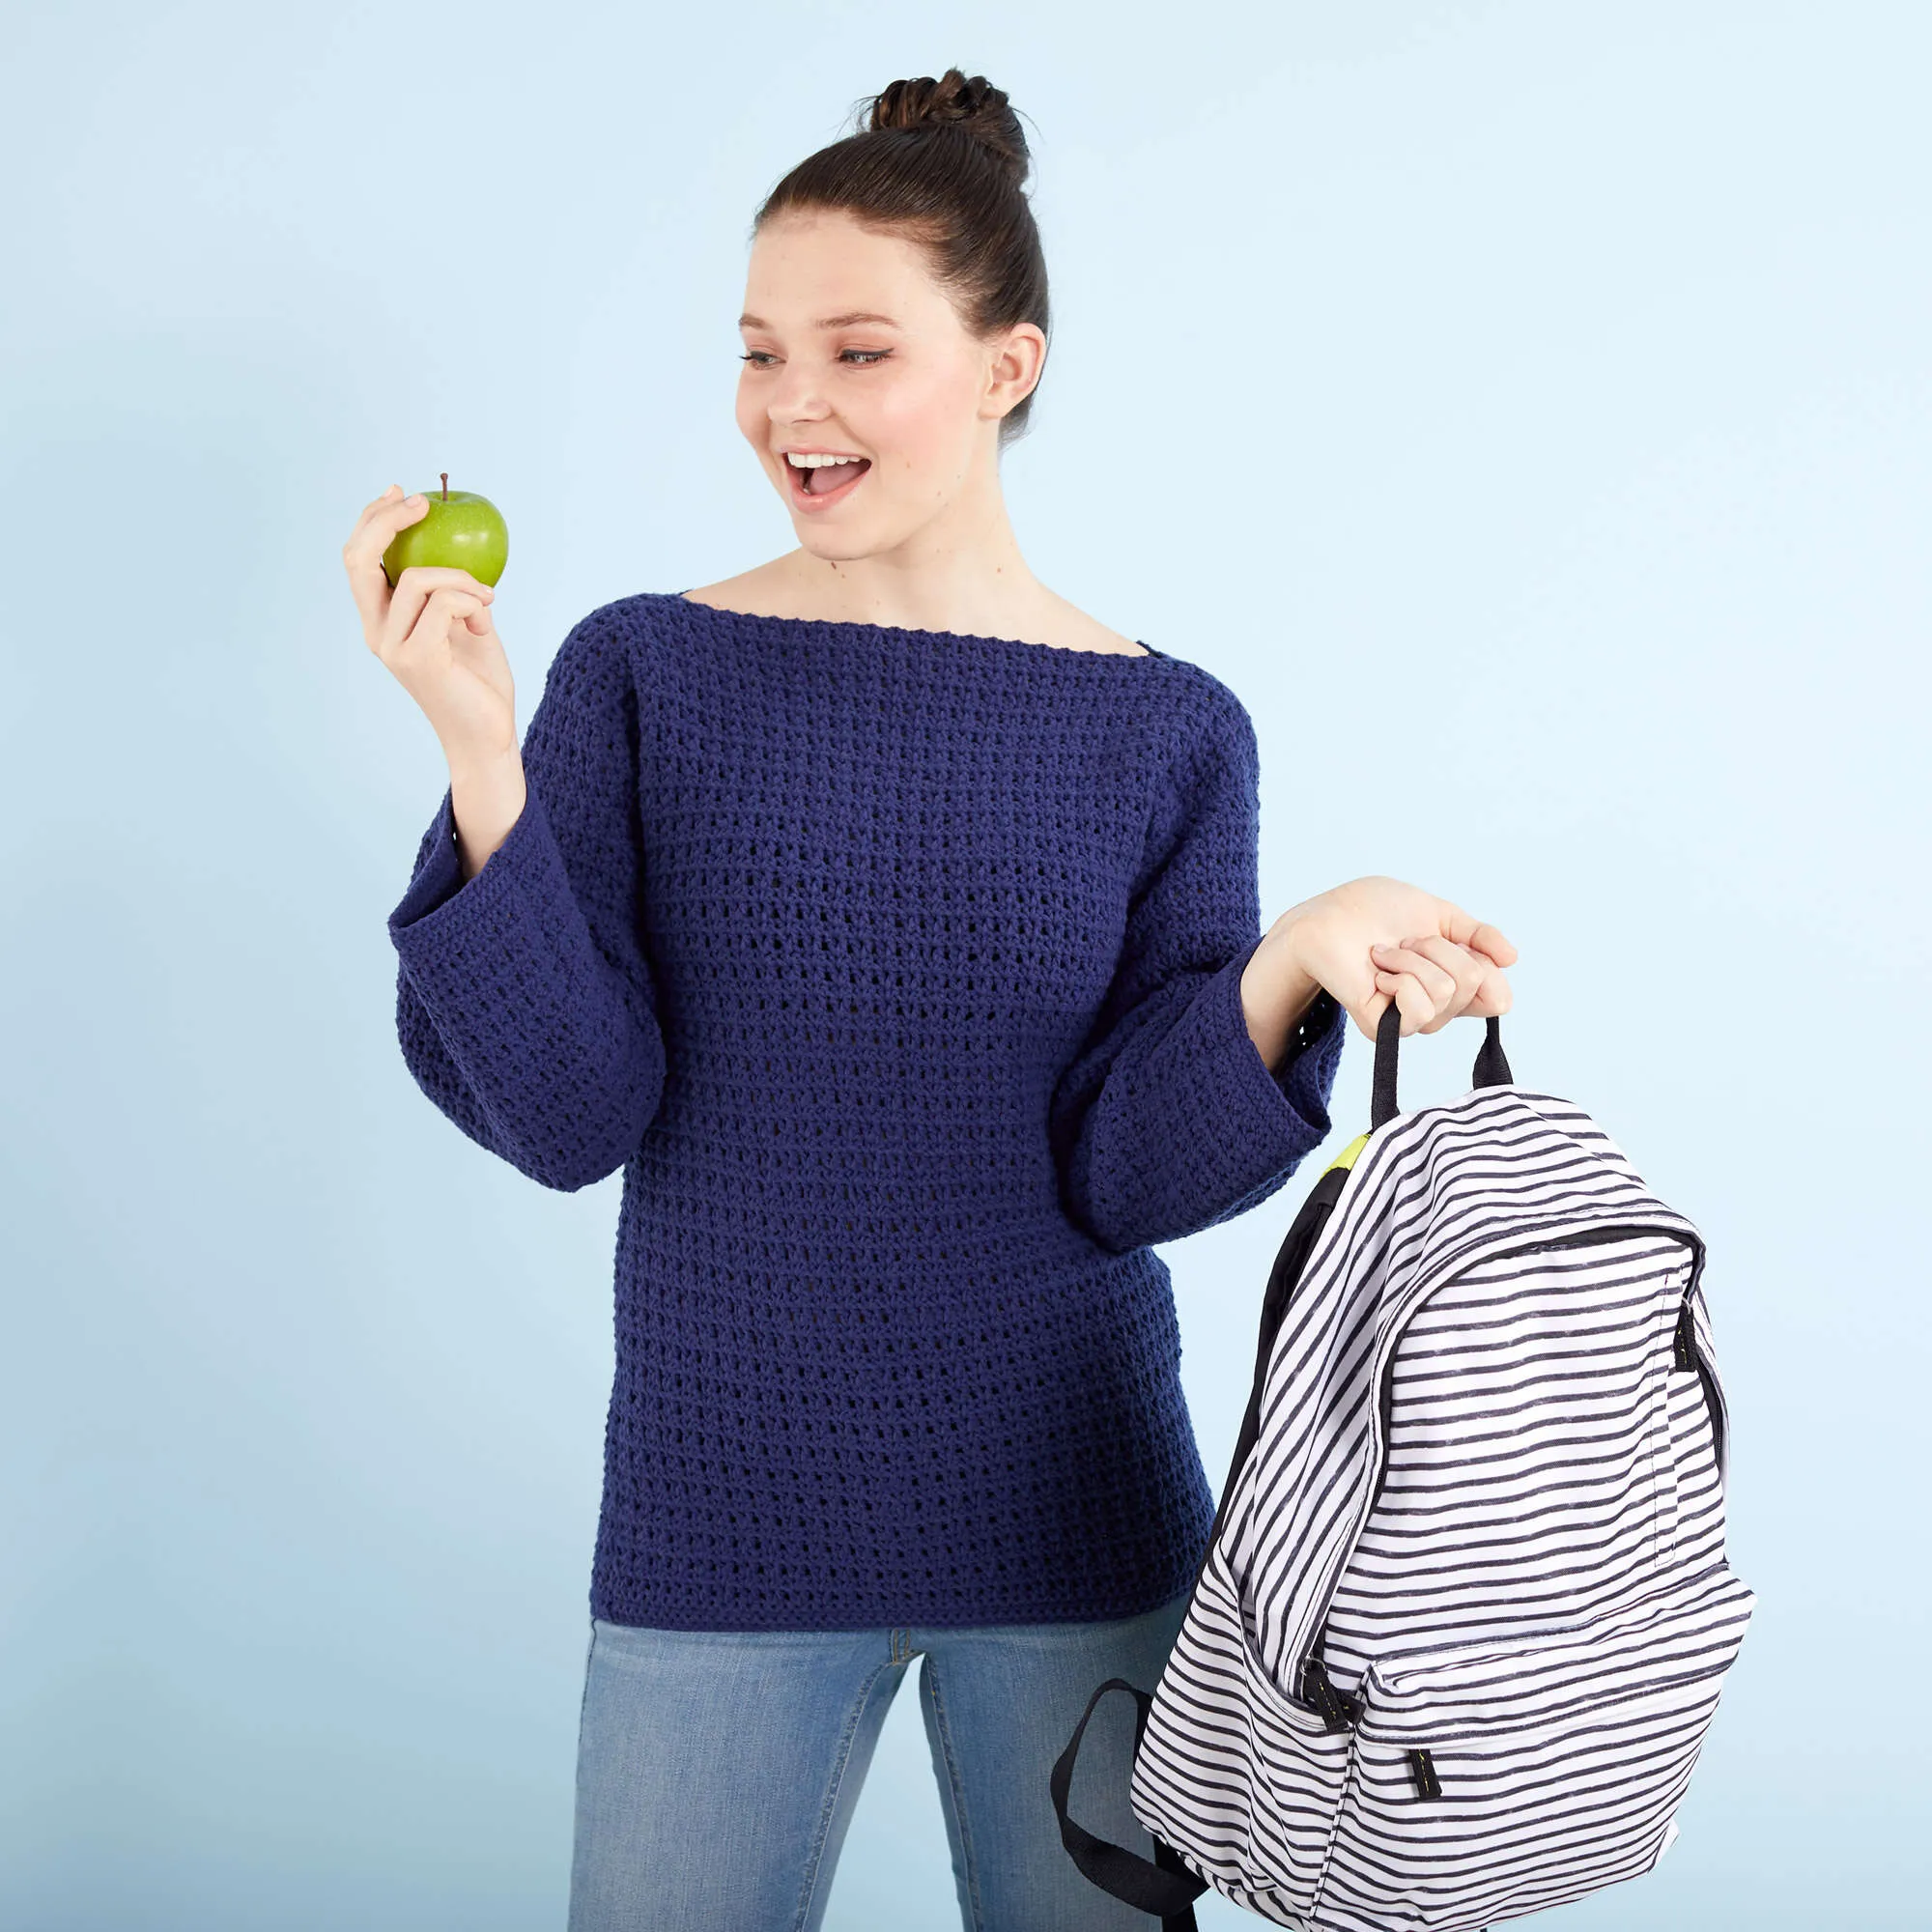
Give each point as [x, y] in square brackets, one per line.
[1525, 409]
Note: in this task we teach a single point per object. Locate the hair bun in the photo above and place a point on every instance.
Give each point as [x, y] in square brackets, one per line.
[972, 104]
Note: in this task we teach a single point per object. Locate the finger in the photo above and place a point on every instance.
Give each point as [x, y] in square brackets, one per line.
[415, 619]
[1466, 969]
[441, 576]
[1483, 988]
[1466, 930]
[1410, 996]
[363, 555]
[442, 633]
[1491, 995]
[394, 494]
[442, 610]
[376, 503]
[388, 513]
[405, 606]
[416, 586]
[1439, 983]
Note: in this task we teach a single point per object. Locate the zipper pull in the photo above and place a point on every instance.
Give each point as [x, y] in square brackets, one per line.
[1422, 1768]
[1317, 1688]
[1686, 1344]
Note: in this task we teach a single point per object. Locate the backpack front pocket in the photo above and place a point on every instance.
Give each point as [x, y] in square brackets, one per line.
[1243, 1778]
[1489, 1781]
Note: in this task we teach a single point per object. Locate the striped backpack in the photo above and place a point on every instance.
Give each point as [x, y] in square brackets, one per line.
[1463, 1618]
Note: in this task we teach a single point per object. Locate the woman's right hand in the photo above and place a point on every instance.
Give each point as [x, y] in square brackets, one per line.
[434, 632]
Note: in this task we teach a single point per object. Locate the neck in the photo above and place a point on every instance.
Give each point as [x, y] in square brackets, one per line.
[962, 571]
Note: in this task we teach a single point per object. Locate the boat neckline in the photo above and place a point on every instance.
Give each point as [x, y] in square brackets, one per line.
[1146, 654]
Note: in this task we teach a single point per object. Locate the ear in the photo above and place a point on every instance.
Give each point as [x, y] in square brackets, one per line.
[1014, 367]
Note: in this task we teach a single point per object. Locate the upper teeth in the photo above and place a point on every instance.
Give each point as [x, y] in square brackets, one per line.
[801, 461]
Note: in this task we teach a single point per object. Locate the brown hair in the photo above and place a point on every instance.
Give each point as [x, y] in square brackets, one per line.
[941, 161]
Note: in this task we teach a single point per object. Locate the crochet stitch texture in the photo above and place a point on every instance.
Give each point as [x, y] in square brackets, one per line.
[900, 973]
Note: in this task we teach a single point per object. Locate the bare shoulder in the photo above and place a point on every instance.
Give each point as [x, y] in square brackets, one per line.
[773, 590]
[757, 593]
[1074, 629]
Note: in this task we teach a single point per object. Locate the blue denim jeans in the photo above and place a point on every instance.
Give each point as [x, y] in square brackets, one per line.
[717, 1771]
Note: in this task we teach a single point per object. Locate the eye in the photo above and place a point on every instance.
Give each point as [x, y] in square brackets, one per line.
[759, 357]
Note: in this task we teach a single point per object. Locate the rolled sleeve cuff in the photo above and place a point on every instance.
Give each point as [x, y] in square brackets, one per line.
[438, 871]
[1276, 1115]
[440, 907]
[512, 934]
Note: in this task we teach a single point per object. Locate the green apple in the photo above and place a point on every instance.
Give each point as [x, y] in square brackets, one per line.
[460, 530]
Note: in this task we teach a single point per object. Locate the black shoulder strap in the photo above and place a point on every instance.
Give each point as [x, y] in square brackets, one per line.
[1284, 1278]
[1162, 1884]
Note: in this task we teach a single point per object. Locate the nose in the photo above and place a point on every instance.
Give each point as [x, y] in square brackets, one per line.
[795, 398]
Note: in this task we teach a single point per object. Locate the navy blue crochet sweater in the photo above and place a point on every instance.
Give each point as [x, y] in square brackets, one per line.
[900, 973]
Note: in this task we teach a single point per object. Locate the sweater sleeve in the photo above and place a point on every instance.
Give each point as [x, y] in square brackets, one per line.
[1170, 1121]
[525, 1005]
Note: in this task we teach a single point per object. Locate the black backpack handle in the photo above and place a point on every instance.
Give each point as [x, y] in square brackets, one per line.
[1492, 1068]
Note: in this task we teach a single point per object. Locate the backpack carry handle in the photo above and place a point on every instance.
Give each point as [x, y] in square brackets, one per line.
[1492, 1068]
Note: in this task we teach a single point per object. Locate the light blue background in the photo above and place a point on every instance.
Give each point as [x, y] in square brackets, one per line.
[1524, 407]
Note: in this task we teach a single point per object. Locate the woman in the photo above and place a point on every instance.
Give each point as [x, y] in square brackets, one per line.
[893, 925]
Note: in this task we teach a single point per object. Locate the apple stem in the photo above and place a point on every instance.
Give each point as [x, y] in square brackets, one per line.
[444, 475]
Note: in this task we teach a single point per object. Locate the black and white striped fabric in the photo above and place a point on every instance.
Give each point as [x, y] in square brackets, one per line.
[1463, 1619]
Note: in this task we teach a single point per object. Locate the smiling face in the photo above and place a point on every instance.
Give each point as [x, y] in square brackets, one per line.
[851, 348]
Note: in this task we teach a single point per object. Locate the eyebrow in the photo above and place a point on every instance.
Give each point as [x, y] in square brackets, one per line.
[847, 321]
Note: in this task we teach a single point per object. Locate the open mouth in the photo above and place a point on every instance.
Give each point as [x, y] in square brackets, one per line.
[824, 484]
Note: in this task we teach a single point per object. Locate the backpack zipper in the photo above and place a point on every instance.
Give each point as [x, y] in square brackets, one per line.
[1690, 1357]
[1318, 1690]
[1686, 1353]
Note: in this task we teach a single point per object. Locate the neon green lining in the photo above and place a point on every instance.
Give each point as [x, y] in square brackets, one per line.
[1346, 1157]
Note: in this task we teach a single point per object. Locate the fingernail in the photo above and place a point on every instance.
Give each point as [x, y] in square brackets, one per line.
[412, 501]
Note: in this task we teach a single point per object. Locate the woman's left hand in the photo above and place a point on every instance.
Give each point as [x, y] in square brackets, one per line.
[1375, 940]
